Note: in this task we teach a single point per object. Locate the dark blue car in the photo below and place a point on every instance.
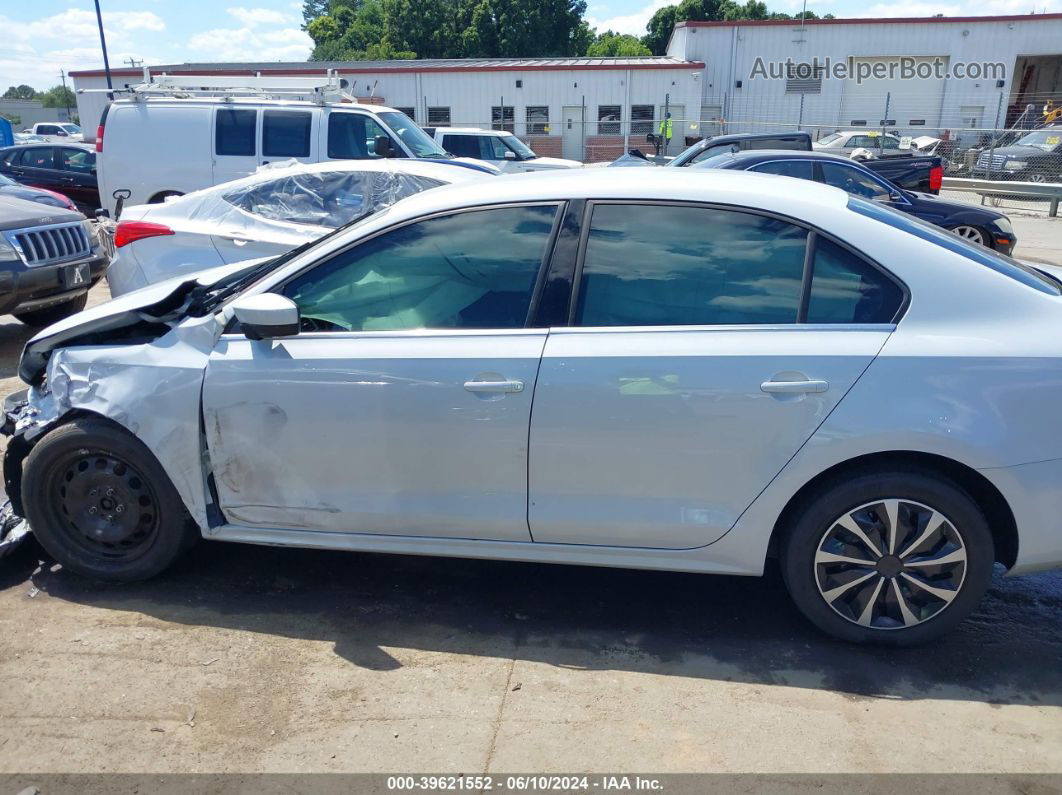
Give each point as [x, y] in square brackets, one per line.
[977, 224]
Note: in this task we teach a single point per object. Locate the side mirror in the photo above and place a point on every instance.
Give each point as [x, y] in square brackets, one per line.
[266, 316]
[61, 133]
[381, 144]
[511, 155]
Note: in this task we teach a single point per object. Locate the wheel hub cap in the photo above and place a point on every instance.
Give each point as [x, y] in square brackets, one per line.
[890, 564]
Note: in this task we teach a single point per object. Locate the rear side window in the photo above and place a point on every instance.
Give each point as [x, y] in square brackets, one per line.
[847, 289]
[234, 132]
[659, 265]
[952, 242]
[38, 157]
[286, 133]
[801, 169]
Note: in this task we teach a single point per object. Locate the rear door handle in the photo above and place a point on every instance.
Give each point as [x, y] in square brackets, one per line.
[794, 387]
[495, 386]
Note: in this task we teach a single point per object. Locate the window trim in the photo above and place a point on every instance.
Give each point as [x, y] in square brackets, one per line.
[544, 266]
[806, 276]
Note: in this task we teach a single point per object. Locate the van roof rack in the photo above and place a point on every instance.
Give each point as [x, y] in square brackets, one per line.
[329, 88]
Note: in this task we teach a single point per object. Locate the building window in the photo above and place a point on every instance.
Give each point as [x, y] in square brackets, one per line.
[537, 119]
[917, 122]
[608, 119]
[641, 119]
[438, 117]
[859, 123]
[411, 112]
[803, 78]
[502, 118]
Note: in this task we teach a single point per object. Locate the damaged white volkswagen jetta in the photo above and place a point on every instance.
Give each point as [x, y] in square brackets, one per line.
[679, 372]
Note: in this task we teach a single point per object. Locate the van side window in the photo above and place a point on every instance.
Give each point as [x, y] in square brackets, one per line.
[285, 133]
[234, 132]
[352, 136]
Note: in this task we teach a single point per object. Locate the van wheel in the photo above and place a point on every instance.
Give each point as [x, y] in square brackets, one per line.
[894, 558]
[101, 504]
[53, 314]
[159, 198]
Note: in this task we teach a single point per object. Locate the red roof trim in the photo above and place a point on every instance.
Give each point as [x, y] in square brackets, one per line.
[695, 23]
[289, 72]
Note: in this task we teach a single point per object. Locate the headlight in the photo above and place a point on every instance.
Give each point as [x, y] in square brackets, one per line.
[1015, 165]
[1004, 225]
[92, 230]
[7, 251]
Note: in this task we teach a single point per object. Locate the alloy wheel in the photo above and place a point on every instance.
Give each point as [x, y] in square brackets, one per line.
[971, 233]
[890, 564]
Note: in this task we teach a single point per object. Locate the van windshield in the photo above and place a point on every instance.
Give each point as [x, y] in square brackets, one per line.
[412, 136]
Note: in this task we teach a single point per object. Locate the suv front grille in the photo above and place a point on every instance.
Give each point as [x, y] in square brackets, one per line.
[48, 245]
[990, 159]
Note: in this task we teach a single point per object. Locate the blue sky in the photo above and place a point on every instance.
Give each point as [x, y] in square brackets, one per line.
[40, 37]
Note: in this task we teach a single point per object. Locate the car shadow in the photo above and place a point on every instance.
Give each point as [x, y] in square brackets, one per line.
[709, 627]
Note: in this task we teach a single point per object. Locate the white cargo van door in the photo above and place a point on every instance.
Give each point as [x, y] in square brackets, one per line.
[235, 143]
[287, 135]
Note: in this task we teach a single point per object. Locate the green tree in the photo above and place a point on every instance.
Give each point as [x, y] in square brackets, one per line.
[58, 97]
[311, 10]
[20, 92]
[614, 45]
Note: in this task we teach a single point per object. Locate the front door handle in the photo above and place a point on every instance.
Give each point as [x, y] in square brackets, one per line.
[507, 387]
[794, 387]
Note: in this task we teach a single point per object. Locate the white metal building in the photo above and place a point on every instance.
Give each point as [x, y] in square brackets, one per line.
[579, 108]
[1028, 50]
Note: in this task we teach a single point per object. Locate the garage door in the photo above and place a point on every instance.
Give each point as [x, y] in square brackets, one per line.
[918, 100]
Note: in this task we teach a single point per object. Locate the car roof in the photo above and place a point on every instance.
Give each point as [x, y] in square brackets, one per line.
[472, 131]
[864, 132]
[252, 100]
[782, 154]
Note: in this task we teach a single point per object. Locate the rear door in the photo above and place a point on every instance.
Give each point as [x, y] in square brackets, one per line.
[36, 167]
[235, 143]
[78, 177]
[706, 346]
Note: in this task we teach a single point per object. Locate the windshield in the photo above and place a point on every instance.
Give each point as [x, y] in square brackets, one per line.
[71, 128]
[829, 139]
[1042, 139]
[1000, 263]
[412, 136]
[518, 146]
[715, 161]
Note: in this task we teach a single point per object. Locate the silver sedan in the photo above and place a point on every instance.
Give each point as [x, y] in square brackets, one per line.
[692, 373]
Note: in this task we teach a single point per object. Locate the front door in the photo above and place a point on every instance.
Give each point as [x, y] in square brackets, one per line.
[686, 382]
[403, 406]
[573, 132]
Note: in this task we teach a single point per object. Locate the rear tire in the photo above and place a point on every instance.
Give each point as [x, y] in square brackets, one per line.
[53, 314]
[854, 580]
[101, 504]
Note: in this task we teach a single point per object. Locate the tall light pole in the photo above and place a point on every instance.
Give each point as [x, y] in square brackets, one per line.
[103, 44]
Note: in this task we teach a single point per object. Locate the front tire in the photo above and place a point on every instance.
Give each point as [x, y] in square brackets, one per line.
[53, 314]
[894, 558]
[101, 504]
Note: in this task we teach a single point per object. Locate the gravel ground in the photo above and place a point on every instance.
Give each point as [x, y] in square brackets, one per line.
[261, 659]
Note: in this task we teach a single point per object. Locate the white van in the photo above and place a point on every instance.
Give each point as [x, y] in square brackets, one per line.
[154, 147]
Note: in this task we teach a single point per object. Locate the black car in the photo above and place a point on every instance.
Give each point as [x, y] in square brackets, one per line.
[49, 258]
[69, 169]
[977, 224]
[1035, 157]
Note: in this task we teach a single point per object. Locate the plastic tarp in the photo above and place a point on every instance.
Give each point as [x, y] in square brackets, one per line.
[306, 203]
[631, 160]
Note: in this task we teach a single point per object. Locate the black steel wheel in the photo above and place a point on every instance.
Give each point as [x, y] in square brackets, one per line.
[101, 504]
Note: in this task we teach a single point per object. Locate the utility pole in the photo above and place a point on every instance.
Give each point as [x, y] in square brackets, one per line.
[66, 101]
[103, 45]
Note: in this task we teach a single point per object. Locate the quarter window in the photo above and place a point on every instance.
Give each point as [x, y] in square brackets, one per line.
[234, 132]
[468, 270]
[847, 289]
[285, 133]
[660, 265]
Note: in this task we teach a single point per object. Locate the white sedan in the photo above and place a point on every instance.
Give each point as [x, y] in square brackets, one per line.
[263, 215]
[690, 372]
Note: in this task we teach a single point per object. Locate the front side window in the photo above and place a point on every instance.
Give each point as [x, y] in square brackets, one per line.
[352, 136]
[328, 199]
[852, 180]
[847, 289]
[515, 144]
[286, 133]
[38, 157]
[48, 129]
[234, 132]
[467, 270]
[502, 117]
[801, 169]
[660, 265]
[77, 160]
[491, 147]
[463, 145]
[73, 129]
